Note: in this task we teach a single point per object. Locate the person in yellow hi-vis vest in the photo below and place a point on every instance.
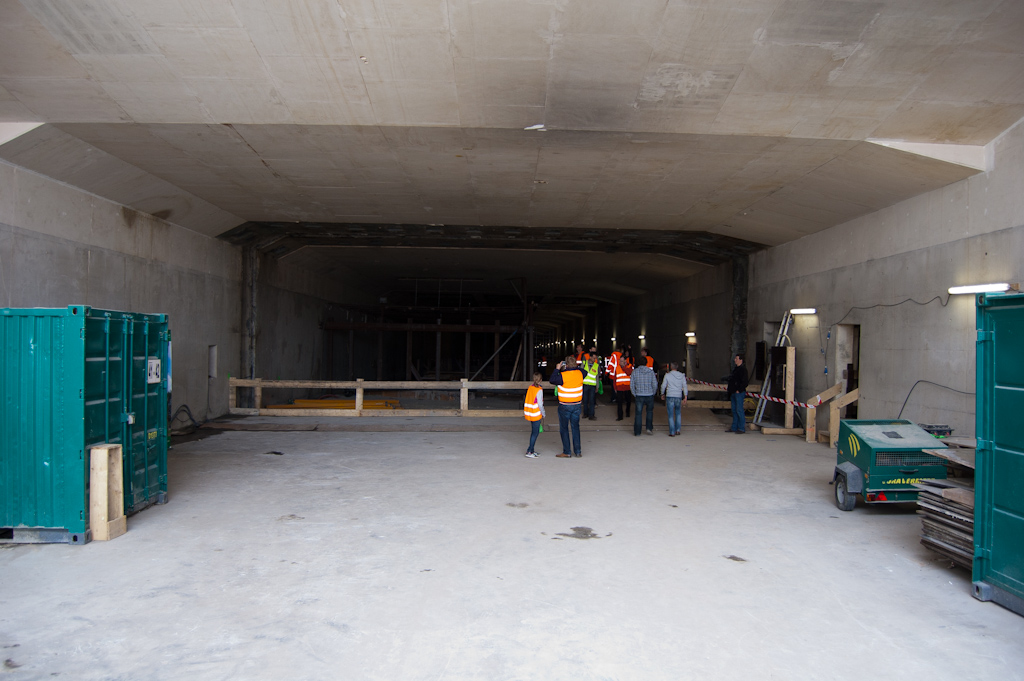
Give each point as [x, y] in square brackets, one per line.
[569, 379]
[533, 410]
[591, 371]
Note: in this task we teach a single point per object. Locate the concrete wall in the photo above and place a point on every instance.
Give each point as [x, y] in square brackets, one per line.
[60, 246]
[701, 304]
[862, 271]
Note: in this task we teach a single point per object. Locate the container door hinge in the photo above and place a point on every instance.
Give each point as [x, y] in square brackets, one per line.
[127, 417]
[81, 333]
[983, 553]
[984, 445]
[986, 336]
[81, 393]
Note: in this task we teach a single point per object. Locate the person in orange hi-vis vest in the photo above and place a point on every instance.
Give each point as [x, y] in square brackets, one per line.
[623, 370]
[569, 379]
[533, 410]
[611, 365]
[645, 356]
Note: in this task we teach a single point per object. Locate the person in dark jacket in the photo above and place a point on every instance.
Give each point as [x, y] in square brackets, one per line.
[738, 380]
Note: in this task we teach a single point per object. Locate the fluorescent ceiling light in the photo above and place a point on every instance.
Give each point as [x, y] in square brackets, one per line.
[983, 288]
[803, 310]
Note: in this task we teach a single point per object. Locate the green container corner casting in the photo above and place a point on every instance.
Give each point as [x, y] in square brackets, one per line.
[71, 379]
[998, 570]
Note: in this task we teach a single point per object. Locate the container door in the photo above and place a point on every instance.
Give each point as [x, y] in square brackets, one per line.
[999, 501]
[43, 466]
[126, 405]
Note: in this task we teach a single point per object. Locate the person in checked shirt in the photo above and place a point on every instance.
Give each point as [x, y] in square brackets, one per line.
[643, 384]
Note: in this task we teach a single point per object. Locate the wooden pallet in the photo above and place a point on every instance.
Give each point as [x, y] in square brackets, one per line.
[106, 493]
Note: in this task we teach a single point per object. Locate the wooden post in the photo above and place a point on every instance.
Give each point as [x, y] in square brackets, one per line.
[812, 411]
[464, 397]
[359, 396]
[258, 395]
[833, 414]
[790, 384]
[106, 492]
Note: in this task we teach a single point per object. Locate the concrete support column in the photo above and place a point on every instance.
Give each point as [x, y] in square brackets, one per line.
[408, 353]
[467, 370]
[497, 346]
[739, 307]
[437, 356]
[250, 274]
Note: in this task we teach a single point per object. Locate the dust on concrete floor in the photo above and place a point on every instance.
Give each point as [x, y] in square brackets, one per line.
[451, 556]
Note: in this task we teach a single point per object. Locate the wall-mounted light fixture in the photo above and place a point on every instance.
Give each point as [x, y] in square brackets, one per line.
[690, 334]
[803, 310]
[613, 339]
[984, 288]
[641, 336]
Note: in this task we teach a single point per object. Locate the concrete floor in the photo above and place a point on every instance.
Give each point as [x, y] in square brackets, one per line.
[449, 555]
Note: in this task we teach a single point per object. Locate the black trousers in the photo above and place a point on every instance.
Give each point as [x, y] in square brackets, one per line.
[623, 397]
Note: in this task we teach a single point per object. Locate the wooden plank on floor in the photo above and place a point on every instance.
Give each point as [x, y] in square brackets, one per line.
[768, 430]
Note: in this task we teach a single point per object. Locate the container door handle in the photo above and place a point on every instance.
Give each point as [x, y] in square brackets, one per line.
[908, 471]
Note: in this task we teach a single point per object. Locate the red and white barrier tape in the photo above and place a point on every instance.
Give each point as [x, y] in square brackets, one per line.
[758, 395]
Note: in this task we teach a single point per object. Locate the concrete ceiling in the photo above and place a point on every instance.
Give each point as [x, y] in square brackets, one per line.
[749, 119]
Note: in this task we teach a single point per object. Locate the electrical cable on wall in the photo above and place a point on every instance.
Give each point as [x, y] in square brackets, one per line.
[828, 336]
[188, 413]
[938, 385]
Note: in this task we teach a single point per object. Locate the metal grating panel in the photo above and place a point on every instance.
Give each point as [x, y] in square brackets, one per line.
[907, 459]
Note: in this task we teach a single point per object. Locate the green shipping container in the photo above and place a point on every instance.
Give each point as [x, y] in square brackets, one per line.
[71, 379]
[998, 572]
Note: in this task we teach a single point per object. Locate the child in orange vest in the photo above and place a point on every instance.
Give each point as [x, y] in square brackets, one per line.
[533, 410]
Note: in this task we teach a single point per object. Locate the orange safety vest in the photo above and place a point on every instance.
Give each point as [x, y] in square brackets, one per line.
[621, 377]
[650, 362]
[612, 365]
[531, 410]
[571, 390]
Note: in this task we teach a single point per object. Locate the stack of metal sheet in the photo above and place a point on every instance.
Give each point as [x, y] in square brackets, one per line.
[946, 508]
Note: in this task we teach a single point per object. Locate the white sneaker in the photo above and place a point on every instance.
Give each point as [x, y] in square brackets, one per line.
[532, 455]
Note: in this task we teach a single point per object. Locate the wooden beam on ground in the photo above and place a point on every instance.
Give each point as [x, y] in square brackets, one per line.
[768, 430]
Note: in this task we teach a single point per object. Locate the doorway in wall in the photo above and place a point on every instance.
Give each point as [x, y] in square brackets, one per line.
[848, 361]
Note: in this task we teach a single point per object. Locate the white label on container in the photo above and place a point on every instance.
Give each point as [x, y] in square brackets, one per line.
[153, 370]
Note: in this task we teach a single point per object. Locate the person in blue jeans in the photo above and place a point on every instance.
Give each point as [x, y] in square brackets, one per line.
[737, 387]
[674, 392]
[569, 380]
[643, 384]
